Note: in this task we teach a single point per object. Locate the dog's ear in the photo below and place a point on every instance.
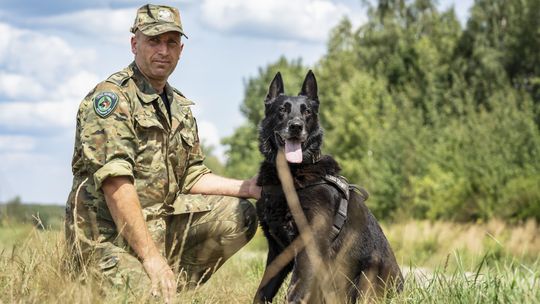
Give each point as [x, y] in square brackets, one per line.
[309, 88]
[276, 88]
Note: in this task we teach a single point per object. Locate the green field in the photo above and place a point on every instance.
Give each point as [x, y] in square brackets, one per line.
[444, 263]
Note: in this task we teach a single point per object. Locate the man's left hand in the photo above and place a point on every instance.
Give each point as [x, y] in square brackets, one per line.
[254, 189]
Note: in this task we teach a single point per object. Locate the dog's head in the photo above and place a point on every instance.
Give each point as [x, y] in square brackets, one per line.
[291, 122]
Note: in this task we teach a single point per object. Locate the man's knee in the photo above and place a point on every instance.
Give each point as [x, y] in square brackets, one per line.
[250, 215]
[245, 218]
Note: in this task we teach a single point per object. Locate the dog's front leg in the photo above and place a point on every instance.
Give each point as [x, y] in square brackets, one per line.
[304, 286]
[311, 281]
[274, 274]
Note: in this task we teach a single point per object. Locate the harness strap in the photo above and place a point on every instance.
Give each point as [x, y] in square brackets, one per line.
[339, 218]
[341, 214]
[340, 183]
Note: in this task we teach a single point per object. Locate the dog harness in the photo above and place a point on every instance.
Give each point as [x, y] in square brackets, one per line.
[343, 186]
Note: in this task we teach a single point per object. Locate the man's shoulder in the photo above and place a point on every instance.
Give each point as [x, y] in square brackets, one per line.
[120, 78]
[107, 94]
[181, 98]
[117, 83]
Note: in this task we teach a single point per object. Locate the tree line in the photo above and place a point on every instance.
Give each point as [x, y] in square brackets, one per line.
[437, 120]
[15, 212]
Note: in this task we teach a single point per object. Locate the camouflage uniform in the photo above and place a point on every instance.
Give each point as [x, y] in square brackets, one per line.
[123, 129]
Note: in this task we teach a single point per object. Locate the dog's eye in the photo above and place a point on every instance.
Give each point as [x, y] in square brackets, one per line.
[307, 112]
[282, 109]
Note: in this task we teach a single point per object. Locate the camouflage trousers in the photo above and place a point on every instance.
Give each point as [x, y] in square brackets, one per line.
[195, 244]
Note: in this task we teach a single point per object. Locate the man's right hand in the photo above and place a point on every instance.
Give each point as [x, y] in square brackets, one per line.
[126, 212]
[162, 277]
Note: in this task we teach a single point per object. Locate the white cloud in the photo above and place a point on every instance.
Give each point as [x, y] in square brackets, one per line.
[308, 20]
[16, 85]
[209, 135]
[77, 86]
[16, 143]
[47, 59]
[111, 25]
[42, 79]
[38, 115]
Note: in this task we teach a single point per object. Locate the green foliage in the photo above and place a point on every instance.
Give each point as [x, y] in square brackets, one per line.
[211, 161]
[41, 216]
[243, 153]
[436, 121]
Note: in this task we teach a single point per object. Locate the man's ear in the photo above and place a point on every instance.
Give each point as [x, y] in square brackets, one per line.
[275, 89]
[134, 45]
[181, 47]
[309, 87]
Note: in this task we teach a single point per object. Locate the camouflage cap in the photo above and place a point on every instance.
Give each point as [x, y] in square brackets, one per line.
[153, 20]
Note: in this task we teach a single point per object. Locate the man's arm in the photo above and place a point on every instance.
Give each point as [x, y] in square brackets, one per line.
[217, 185]
[125, 208]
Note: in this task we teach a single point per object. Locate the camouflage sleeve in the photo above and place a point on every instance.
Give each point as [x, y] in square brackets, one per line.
[107, 135]
[195, 168]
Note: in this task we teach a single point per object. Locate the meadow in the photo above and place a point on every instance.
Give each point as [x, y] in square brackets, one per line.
[444, 262]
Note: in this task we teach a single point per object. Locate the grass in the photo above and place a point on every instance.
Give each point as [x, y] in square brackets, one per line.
[444, 262]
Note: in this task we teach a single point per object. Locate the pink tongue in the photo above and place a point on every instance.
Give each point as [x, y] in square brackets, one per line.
[293, 151]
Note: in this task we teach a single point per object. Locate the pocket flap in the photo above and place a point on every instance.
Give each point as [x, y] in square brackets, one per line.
[148, 121]
[190, 203]
[188, 137]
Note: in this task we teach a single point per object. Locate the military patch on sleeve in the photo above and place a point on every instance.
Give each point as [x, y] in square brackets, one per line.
[105, 103]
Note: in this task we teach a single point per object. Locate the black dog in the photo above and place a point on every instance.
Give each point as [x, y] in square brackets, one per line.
[350, 242]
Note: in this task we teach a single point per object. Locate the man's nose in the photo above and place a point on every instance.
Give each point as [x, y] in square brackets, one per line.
[163, 48]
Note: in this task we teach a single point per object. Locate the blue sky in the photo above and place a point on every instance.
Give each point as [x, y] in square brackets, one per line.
[53, 52]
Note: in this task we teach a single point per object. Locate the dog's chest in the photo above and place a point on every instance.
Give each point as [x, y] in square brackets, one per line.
[275, 217]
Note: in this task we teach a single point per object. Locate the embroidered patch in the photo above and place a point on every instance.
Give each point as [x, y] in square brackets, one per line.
[165, 15]
[105, 103]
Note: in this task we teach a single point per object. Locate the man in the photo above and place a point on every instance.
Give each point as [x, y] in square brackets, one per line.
[143, 209]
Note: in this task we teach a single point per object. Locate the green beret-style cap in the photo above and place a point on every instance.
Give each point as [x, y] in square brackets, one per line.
[153, 20]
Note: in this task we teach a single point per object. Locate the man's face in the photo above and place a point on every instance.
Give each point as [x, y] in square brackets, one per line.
[157, 56]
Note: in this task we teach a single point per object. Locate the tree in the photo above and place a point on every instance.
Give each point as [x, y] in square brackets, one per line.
[435, 121]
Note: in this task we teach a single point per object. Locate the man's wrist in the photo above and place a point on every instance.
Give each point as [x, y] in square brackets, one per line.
[150, 254]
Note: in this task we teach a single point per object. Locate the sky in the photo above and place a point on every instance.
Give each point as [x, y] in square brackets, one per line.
[52, 53]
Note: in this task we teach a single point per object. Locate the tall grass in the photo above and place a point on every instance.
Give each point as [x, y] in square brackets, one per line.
[444, 262]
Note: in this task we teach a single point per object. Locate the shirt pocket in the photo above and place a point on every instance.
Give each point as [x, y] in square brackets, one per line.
[151, 177]
[151, 146]
[184, 141]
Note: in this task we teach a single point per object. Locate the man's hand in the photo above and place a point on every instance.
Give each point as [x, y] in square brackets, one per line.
[254, 190]
[162, 277]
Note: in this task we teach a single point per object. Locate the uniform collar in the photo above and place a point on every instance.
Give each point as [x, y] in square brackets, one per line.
[145, 91]
[148, 94]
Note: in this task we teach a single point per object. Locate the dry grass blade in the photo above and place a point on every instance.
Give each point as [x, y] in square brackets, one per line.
[306, 233]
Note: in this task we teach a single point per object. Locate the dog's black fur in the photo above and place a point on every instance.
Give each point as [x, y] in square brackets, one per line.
[360, 253]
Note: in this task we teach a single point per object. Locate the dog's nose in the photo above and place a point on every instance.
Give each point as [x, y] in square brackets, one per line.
[296, 127]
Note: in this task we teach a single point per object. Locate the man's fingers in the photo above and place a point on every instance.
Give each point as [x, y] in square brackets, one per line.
[168, 289]
[162, 277]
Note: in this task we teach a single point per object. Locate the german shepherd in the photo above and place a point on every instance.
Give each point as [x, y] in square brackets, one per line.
[354, 256]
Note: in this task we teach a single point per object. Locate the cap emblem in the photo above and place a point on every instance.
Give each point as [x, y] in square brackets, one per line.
[165, 15]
